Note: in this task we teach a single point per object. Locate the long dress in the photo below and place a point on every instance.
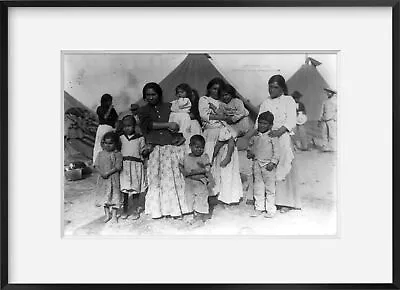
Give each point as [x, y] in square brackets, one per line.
[108, 190]
[133, 175]
[284, 110]
[228, 186]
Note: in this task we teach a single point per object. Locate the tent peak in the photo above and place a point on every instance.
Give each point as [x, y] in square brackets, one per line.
[313, 61]
[199, 55]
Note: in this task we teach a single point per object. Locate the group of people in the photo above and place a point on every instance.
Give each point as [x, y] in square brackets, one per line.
[180, 158]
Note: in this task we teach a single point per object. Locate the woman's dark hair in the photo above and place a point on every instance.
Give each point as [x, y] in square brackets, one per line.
[195, 105]
[280, 80]
[227, 88]
[267, 116]
[195, 96]
[105, 99]
[156, 87]
[114, 137]
[214, 81]
[186, 88]
[198, 138]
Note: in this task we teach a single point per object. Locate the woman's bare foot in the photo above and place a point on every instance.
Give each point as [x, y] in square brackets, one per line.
[225, 162]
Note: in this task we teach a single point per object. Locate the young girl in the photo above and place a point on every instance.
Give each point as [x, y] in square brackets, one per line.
[226, 134]
[180, 108]
[182, 112]
[109, 164]
[107, 120]
[133, 176]
[233, 107]
[195, 167]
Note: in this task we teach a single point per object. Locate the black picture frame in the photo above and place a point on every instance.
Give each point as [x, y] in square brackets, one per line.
[395, 6]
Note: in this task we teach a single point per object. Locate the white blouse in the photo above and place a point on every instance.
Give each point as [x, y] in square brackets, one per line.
[205, 111]
[284, 110]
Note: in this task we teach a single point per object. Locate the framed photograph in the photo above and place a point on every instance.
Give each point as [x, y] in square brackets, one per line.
[240, 144]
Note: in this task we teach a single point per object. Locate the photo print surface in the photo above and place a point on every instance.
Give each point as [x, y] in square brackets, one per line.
[211, 143]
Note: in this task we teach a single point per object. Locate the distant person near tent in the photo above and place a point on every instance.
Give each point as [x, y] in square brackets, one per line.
[328, 121]
[283, 107]
[107, 121]
[300, 137]
[166, 184]
[225, 167]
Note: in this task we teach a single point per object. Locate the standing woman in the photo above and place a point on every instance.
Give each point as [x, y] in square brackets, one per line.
[228, 186]
[107, 120]
[166, 184]
[283, 107]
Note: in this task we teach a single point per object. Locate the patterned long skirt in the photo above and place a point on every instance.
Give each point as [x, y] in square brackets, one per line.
[166, 184]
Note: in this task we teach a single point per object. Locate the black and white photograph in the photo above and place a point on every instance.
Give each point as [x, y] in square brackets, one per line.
[200, 143]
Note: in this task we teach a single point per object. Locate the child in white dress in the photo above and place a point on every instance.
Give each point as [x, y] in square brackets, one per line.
[133, 176]
[180, 110]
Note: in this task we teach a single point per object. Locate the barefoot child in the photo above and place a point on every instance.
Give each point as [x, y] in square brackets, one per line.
[196, 167]
[109, 164]
[133, 175]
[264, 150]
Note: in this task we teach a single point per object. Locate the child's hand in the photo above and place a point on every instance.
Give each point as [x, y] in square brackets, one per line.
[104, 175]
[270, 166]
[201, 165]
[250, 155]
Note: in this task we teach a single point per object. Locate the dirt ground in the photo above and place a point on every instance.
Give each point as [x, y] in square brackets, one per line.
[316, 184]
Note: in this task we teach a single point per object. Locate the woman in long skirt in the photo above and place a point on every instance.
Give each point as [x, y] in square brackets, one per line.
[283, 107]
[166, 184]
[228, 188]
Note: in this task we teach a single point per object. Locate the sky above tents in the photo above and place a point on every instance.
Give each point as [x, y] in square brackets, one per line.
[88, 76]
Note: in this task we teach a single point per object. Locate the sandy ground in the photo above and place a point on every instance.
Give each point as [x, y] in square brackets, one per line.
[317, 182]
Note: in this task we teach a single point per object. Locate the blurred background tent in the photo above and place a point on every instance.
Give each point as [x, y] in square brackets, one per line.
[310, 83]
[80, 127]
